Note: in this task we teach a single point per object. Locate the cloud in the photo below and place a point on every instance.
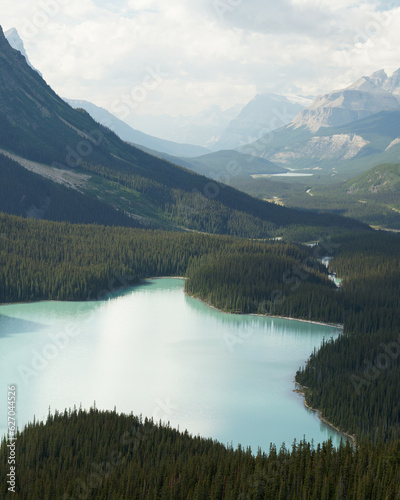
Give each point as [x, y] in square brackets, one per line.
[209, 51]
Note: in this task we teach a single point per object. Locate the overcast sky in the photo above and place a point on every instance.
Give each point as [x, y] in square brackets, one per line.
[180, 56]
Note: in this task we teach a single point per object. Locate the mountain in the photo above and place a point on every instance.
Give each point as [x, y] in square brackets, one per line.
[16, 43]
[203, 129]
[57, 143]
[136, 137]
[380, 180]
[360, 100]
[345, 151]
[342, 133]
[392, 84]
[223, 165]
[264, 113]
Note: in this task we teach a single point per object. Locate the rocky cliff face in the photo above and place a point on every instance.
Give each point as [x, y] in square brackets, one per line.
[362, 99]
[392, 84]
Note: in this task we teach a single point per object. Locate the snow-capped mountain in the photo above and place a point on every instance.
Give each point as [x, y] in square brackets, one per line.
[264, 113]
[16, 43]
[367, 96]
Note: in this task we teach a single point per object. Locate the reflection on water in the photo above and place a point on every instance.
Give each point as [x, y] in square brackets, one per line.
[153, 350]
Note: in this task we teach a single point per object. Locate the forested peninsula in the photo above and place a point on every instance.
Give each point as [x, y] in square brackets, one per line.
[353, 380]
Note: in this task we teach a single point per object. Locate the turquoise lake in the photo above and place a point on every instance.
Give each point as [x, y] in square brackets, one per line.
[152, 350]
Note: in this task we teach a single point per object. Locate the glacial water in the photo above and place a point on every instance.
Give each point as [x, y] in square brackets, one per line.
[154, 351]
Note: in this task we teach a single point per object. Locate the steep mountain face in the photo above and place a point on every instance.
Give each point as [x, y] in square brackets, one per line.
[345, 131]
[264, 113]
[136, 137]
[360, 100]
[347, 150]
[16, 43]
[392, 84]
[335, 147]
[44, 134]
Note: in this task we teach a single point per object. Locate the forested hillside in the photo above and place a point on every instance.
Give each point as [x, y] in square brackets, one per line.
[29, 195]
[37, 125]
[355, 380]
[267, 284]
[47, 260]
[136, 458]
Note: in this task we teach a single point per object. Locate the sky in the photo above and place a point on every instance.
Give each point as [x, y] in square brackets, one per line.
[178, 57]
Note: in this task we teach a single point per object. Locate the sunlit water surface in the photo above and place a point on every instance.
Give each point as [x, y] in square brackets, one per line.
[154, 351]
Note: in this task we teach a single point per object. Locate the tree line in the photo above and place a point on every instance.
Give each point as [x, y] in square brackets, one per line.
[98, 455]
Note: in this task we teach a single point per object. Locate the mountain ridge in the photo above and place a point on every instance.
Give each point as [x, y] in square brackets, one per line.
[129, 134]
[340, 107]
[36, 124]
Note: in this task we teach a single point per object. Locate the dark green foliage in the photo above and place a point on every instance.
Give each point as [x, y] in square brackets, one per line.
[27, 194]
[38, 125]
[373, 197]
[45, 260]
[355, 379]
[283, 281]
[103, 455]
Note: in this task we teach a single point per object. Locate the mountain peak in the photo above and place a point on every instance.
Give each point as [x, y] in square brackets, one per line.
[16, 43]
[378, 77]
[392, 84]
[363, 98]
[365, 84]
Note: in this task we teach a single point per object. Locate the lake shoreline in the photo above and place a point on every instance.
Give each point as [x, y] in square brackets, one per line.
[321, 323]
[100, 298]
[176, 286]
[301, 389]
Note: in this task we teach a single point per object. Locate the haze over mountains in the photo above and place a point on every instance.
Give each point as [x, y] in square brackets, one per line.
[65, 165]
[344, 132]
[264, 113]
[212, 129]
[339, 136]
[133, 136]
[367, 96]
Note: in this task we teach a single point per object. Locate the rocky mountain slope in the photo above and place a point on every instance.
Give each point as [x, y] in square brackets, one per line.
[37, 125]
